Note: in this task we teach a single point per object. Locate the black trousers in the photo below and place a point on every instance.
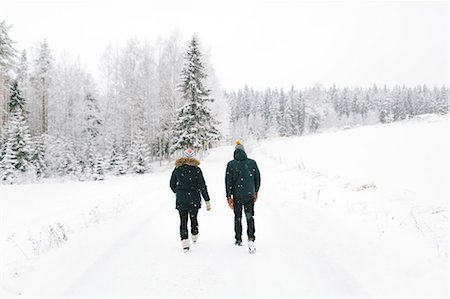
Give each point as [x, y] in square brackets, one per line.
[248, 207]
[184, 216]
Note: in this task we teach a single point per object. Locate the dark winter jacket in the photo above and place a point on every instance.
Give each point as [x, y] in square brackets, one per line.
[242, 178]
[187, 182]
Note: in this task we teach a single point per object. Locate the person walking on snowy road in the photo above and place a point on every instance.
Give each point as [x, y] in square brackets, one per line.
[188, 183]
[242, 181]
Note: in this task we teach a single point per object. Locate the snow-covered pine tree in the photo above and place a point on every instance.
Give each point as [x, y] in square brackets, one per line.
[38, 157]
[91, 133]
[364, 108]
[195, 126]
[16, 148]
[139, 153]
[8, 171]
[16, 101]
[111, 161]
[92, 117]
[269, 112]
[282, 114]
[121, 162]
[7, 51]
[117, 161]
[298, 114]
[88, 161]
[443, 104]
[398, 107]
[344, 103]
[99, 168]
[408, 102]
[7, 62]
[439, 100]
[257, 116]
[69, 163]
[385, 106]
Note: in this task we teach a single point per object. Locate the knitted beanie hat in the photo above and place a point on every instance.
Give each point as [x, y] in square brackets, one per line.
[239, 145]
[189, 153]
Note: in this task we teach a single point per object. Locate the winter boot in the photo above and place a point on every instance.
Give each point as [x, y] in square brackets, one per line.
[194, 238]
[251, 246]
[238, 242]
[185, 243]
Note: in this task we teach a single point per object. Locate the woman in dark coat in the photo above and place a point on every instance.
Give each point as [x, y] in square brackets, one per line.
[188, 183]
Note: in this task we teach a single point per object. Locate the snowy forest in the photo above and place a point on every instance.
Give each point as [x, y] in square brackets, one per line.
[275, 112]
[155, 99]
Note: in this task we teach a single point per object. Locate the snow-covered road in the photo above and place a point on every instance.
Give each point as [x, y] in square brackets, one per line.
[146, 259]
[307, 244]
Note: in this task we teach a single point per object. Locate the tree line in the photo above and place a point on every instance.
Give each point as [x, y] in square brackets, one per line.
[154, 100]
[275, 112]
[56, 121]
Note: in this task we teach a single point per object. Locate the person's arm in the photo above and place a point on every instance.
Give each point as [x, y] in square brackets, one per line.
[173, 182]
[228, 181]
[229, 185]
[202, 185]
[257, 178]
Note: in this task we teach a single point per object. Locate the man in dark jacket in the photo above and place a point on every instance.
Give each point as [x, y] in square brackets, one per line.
[188, 183]
[242, 181]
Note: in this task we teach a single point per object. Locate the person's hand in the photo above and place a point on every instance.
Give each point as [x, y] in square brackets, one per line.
[208, 205]
[230, 202]
[255, 197]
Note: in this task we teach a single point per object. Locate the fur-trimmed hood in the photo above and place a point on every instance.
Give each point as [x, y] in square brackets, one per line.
[186, 161]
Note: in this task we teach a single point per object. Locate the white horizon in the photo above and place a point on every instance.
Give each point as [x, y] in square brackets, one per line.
[262, 44]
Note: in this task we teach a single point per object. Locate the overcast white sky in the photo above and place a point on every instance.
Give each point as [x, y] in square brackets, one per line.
[259, 43]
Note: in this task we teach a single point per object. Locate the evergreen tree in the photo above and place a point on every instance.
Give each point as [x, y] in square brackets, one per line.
[385, 114]
[7, 51]
[195, 127]
[139, 153]
[344, 107]
[16, 101]
[443, 103]
[99, 168]
[269, 111]
[93, 121]
[364, 108]
[398, 106]
[16, 148]
[298, 114]
[7, 62]
[91, 133]
[117, 159]
[282, 114]
[69, 163]
[409, 105]
[121, 166]
[8, 171]
[38, 157]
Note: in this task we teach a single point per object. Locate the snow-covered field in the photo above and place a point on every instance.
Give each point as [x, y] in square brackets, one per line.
[361, 212]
